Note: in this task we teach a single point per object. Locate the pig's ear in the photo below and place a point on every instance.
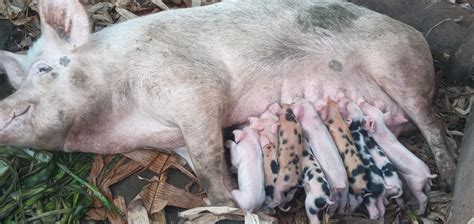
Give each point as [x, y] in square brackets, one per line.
[13, 65]
[298, 110]
[65, 21]
[275, 108]
[369, 124]
[238, 135]
[256, 124]
[264, 141]
[322, 108]
[274, 128]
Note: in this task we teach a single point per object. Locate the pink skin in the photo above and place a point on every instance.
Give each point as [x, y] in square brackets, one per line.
[415, 172]
[268, 124]
[325, 152]
[246, 155]
[314, 189]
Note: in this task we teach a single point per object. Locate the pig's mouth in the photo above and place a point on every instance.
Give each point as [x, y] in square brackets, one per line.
[14, 117]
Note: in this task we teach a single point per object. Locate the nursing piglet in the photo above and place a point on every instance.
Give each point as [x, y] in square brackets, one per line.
[268, 123]
[318, 193]
[290, 150]
[376, 185]
[415, 172]
[246, 156]
[325, 151]
[357, 174]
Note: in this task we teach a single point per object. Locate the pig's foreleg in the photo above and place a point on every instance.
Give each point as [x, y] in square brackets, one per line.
[200, 121]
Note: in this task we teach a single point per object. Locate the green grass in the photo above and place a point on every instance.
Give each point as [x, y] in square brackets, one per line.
[44, 187]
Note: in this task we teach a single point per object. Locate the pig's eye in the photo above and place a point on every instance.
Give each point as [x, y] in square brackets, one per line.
[43, 69]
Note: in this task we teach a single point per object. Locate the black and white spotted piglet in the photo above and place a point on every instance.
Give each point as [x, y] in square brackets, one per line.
[375, 195]
[315, 185]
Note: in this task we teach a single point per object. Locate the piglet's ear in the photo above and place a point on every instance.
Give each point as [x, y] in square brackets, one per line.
[256, 124]
[274, 128]
[264, 141]
[369, 124]
[13, 65]
[298, 110]
[65, 21]
[275, 108]
[322, 108]
[238, 135]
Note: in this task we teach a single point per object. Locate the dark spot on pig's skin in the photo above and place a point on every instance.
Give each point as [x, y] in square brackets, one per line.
[381, 153]
[292, 154]
[326, 190]
[292, 147]
[351, 180]
[330, 121]
[340, 130]
[376, 189]
[281, 133]
[296, 160]
[64, 61]
[365, 162]
[274, 166]
[295, 131]
[356, 137]
[352, 152]
[305, 169]
[320, 202]
[54, 75]
[290, 116]
[305, 153]
[286, 178]
[358, 171]
[299, 139]
[370, 143]
[79, 79]
[333, 17]
[318, 170]
[335, 66]
[284, 141]
[274, 180]
[312, 211]
[388, 170]
[320, 179]
[269, 190]
[310, 175]
[347, 151]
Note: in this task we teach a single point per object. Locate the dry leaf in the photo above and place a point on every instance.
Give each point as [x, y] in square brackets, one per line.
[158, 194]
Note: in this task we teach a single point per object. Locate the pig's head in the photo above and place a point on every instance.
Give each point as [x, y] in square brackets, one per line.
[52, 87]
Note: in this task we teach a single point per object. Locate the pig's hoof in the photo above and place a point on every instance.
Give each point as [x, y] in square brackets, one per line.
[446, 178]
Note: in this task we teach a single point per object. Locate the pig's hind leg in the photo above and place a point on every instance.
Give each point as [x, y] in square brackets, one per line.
[408, 78]
[200, 121]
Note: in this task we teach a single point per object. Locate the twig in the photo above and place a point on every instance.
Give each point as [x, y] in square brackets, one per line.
[456, 20]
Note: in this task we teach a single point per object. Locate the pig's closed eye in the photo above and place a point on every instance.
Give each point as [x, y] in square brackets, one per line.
[43, 69]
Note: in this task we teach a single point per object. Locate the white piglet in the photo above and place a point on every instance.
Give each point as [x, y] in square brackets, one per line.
[246, 156]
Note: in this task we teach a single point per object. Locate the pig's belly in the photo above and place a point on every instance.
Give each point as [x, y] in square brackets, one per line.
[252, 97]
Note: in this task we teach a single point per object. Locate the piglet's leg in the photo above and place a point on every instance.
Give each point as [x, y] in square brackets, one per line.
[200, 120]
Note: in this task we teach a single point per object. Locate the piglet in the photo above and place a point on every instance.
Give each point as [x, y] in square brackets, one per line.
[268, 124]
[318, 193]
[356, 172]
[290, 150]
[246, 156]
[325, 151]
[376, 184]
[415, 172]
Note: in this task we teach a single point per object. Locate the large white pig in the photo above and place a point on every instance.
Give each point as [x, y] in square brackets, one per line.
[178, 77]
